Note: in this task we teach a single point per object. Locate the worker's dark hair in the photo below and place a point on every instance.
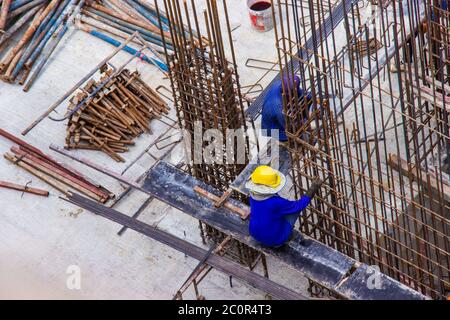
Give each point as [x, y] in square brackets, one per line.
[290, 83]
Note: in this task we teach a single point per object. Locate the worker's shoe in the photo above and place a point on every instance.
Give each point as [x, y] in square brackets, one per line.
[295, 236]
[301, 239]
[283, 245]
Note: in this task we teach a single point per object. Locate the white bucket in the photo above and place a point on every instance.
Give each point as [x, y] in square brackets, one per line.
[260, 12]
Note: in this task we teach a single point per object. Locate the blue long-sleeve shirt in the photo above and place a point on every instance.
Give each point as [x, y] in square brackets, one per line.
[272, 111]
[268, 224]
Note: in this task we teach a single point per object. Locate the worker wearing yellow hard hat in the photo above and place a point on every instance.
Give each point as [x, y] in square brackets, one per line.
[265, 180]
[272, 218]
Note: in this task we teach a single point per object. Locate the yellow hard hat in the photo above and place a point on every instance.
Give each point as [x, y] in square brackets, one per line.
[267, 176]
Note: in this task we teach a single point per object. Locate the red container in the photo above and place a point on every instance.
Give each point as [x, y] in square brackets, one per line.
[260, 12]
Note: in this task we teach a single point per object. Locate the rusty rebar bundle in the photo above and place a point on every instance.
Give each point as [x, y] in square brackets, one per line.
[376, 129]
[108, 119]
[205, 88]
[56, 174]
[47, 22]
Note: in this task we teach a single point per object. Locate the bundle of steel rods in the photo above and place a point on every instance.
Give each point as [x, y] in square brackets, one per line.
[120, 19]
[45, 24]
[60, 176]
[113, 21]
[108, 117]
[46, 21]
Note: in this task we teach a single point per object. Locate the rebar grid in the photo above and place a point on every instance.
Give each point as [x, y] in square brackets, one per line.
[376, 130]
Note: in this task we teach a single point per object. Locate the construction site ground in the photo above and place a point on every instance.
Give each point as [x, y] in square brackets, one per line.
[40, 238]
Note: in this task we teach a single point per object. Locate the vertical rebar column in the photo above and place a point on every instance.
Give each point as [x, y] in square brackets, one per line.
[208, 101]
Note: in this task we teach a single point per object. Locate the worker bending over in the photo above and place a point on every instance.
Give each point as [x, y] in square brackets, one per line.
[272, 117]
[272, 218]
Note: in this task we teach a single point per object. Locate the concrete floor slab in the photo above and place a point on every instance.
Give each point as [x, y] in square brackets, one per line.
[40, 238]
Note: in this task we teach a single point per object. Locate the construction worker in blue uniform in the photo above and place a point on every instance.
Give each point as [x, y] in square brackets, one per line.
[272, 117]
[272, 218]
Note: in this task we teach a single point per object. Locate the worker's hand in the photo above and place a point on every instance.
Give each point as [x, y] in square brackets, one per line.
[315, 186]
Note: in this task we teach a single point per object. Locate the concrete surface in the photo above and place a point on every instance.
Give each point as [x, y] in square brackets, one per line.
[40, 238]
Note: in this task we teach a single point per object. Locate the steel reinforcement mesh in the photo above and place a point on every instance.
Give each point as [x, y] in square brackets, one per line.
[376, 130]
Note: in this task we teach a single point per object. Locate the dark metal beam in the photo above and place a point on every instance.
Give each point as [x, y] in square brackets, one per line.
[220, 263]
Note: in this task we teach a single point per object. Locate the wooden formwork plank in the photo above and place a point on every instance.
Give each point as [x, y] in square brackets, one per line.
[404, 168]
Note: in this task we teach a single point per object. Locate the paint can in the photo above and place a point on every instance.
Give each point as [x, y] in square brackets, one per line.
[260, 12]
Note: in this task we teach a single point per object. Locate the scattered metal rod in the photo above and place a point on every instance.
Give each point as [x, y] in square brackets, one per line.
[137, 213]
[4, 13]
[33, 150]
[58, 175]
[18, 187]
[240, 211]
[147, 149]
[201, 266]
[140, 178]
[220, 263]
[162, 87]
[97, 167]
[59, 179]
[76, 86]
[44, 28]
[54, 43]
[191, 277]
[11, 59]
[273, 66]
[19, 23]
[159, 64]
[22, 59]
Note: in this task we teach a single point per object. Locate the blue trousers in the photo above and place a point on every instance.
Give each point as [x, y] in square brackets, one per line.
[292, 219]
